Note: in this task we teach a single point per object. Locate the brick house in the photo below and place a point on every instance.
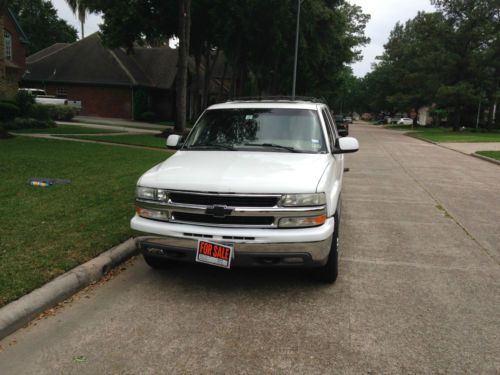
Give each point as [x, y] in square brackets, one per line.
[14, 42]
[105, 80]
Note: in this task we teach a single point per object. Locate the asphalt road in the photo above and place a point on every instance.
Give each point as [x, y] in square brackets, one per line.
[418, 290]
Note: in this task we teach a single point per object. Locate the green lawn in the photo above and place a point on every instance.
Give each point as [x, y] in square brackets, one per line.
[47, 231]
[132, 139]
[447, 135]
[490, 154]
[66, 129]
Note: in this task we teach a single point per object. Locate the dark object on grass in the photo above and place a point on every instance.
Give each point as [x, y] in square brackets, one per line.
[46, 182]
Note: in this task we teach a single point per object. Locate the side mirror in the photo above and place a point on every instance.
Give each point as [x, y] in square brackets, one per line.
[346, 145]
[173, 141]
[343, 132]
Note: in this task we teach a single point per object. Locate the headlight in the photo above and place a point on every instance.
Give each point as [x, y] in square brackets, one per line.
[152, 214]
[300, 222]
[152, 194]
[298, 200]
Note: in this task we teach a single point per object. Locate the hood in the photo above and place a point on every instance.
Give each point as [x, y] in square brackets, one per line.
[238, 172]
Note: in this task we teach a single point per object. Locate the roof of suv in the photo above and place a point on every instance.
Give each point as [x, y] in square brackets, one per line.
[269, 103]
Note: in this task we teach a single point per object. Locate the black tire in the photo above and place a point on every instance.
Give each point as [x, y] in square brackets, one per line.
[157, 262]
[329, 272]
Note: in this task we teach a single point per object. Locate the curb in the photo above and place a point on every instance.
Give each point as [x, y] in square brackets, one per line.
[494, 161]
[20, 312]
[485, 158]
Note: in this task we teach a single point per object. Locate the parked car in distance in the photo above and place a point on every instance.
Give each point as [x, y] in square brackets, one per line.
[34, 92]
[41, 97]
[257, 183]
[342, 125]
[348, 119]
[405, 121]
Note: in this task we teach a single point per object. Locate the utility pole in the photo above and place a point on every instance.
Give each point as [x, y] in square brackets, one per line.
[299, 3]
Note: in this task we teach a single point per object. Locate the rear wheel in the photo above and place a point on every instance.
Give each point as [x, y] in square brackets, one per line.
[329, 272]
[157, 262]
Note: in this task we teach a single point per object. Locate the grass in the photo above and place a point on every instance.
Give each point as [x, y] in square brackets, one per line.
[132, 139]
[66, 129]
[447, 134]
[490, 154]
[47, 231]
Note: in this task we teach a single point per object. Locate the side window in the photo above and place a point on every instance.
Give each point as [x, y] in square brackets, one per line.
[7, 45]
[329, 127]
[333, 123]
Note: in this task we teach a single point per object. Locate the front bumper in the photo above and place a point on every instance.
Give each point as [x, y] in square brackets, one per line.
[304, 247]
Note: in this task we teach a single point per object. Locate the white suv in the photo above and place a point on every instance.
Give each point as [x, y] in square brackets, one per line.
[256, 183]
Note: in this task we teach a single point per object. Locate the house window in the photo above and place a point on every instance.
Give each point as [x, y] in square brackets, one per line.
[61, 92]
[7, 45]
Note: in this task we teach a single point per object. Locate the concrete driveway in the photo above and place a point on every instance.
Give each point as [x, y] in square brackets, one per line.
[418, 291]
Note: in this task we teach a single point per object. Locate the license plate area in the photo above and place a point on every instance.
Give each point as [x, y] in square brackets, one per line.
[215, 254]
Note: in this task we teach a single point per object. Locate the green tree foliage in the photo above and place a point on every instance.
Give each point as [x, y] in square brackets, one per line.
[256, 37]
[41, 24]
[449, 58]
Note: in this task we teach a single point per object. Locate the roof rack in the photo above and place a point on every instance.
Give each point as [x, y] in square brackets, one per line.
[277, 98]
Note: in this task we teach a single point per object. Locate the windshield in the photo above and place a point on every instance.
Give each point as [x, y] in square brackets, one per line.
[251, 129]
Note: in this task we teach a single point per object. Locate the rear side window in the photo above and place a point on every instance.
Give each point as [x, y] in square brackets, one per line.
[329, 127]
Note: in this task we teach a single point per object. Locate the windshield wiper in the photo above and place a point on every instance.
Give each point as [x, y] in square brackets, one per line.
[272, 145]
[211, 147]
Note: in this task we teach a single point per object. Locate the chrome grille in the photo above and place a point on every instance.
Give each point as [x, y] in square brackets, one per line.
[227, 210]
[225, 200]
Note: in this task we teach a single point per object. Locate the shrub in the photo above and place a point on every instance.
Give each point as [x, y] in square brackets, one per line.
[8, 111]
[27, 123]
[46, 112]
[61, 112]
[40, 112]
[148, 116]
[24, 101]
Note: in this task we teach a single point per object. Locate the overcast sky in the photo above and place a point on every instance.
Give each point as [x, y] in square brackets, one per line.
[385, 13]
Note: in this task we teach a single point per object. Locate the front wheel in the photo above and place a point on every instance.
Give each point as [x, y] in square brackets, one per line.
[329, 272]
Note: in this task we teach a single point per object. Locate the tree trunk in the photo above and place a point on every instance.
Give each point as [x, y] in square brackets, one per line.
[3, 78]
[182, 64]
[456, 120]
[209, 68]
[197, 87]
[223, 80]
[492, 107]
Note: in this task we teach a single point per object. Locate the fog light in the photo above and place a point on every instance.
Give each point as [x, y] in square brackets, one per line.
[152, 214]
[296, 222]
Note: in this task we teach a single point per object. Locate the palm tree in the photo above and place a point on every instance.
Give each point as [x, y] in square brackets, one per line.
[78, 7]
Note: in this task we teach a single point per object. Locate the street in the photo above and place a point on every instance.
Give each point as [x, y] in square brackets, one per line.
[418, 290]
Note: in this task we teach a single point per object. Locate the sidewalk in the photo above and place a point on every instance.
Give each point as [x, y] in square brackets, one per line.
[470, 148]
[122, 128]
[117, 122]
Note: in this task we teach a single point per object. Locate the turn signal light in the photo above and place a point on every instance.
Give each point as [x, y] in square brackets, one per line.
[298, 222]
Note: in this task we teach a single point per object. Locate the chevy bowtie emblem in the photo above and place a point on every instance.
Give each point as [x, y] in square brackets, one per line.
[219, 211]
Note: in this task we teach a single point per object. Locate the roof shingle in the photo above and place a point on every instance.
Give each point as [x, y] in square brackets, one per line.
[88, 61]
